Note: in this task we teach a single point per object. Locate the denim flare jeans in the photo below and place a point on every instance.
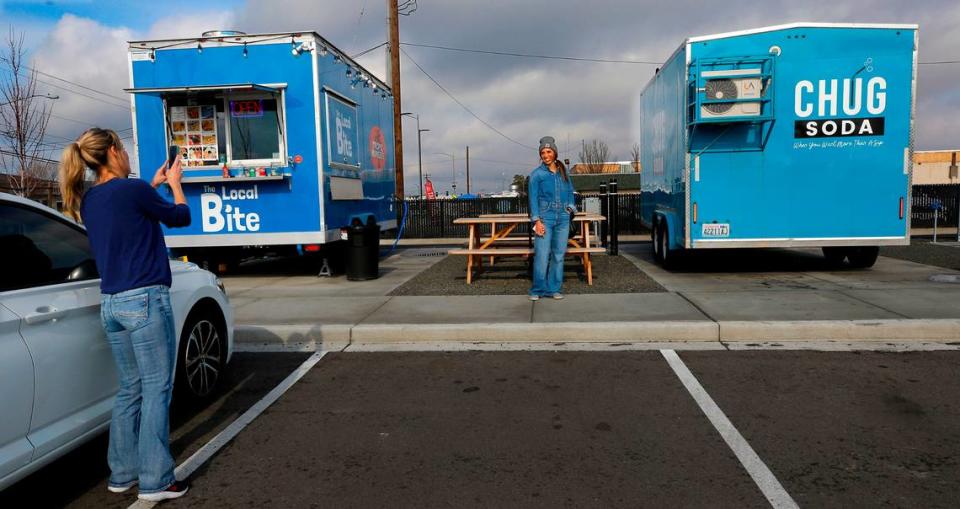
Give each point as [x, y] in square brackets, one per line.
[140, 329]
[549, 250]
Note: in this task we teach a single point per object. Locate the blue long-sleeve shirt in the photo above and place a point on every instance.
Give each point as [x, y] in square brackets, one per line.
[123, 219]
[548, 191]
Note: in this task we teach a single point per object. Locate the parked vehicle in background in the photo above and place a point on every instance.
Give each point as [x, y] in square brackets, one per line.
[285, 141]
[796, 135]
[57, 374]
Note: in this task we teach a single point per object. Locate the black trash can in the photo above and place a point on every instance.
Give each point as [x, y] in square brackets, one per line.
[363, 250]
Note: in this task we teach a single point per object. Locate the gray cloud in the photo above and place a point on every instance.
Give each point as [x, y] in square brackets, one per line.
[527, 98]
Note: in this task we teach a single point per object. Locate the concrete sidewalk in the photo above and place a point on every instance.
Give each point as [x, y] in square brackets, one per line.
[895, 301]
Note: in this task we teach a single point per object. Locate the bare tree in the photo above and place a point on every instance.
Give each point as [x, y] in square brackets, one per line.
[521, 181]
[635, 157]
[594, 155]
[23, 123]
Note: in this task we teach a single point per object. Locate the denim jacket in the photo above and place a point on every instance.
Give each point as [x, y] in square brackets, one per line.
[548, 192]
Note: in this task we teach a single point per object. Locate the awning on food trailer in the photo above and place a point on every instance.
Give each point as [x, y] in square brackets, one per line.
[273, 87]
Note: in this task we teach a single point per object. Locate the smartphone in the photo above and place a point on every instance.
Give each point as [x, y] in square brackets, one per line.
[172, 153]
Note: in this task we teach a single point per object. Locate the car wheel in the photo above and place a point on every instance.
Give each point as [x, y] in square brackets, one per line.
[202, 354]
[863, 257]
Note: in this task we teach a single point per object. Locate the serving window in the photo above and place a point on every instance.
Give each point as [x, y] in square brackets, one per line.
[217, 127]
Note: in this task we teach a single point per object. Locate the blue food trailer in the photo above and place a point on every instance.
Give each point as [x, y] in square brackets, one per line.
[285, 140]
[797, 135]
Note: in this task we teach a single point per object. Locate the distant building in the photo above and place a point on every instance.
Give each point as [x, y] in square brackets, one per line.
[611, 167]
[47, 192]
[589, 183]
[934, 167]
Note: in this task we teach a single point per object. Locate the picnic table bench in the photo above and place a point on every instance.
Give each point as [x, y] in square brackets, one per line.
[502, 243]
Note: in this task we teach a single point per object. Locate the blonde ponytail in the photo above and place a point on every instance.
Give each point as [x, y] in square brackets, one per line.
[89, 151]
[72, 169]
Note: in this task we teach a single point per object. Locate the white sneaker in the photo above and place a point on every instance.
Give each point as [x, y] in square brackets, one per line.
[534, 298]
[557, 296]
[122, 489]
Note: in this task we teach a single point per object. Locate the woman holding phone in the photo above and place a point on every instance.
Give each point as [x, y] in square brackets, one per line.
[122, 216]
[551, 204]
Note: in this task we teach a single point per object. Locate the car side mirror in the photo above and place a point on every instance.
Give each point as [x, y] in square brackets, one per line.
[84, 271]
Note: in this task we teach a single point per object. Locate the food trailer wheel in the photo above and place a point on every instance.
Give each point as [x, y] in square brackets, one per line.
[655, 240]
[667, 259]
[863, 257]
[835, 255]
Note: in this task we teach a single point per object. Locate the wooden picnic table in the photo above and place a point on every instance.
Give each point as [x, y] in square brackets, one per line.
[501, 228]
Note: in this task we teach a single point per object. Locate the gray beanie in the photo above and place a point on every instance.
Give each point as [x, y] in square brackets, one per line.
[548, 142]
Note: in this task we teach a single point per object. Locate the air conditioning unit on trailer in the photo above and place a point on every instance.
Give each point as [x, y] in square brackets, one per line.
[740, 84]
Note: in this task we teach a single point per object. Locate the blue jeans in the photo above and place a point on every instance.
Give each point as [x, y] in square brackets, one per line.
[140, 329]
[549, 250]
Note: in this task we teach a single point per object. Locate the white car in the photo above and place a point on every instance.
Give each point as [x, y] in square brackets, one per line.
[57, 374]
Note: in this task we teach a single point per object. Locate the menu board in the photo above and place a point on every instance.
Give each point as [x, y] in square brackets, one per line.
[194, 130]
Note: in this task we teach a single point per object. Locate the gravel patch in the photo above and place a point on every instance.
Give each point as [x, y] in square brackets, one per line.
[611, 274]
[946, 255]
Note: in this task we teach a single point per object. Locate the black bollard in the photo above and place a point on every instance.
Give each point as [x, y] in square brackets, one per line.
[603, 212]
[614, 209]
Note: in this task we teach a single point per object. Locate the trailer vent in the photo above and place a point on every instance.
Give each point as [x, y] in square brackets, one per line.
[743, 86]
[721, 89]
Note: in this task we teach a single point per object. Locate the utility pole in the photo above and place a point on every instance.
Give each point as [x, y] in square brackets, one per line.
[419, 152]
[394, 49]
[468, 169]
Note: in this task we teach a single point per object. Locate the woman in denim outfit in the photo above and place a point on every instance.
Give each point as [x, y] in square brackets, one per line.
[122, 216]
[551, 203]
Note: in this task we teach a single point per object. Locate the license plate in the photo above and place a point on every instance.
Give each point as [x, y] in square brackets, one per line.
[716, 230]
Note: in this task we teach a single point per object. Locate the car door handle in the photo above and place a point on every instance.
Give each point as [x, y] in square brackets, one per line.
[44, 314]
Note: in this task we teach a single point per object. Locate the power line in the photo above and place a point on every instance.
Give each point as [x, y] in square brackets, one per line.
[122, 99]
[356, 31]
[72, 83]
[941, 62]
[529, 55]
[86, 123]
[468, 110]
[126, 107]
[364, 52]
[44, 159]
[407, 8]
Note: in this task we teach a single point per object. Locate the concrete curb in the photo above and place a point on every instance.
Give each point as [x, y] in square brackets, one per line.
[307, 337]
[581, 332]
[842, 330]
[303, 337]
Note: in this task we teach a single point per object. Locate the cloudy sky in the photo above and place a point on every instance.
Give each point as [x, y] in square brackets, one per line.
[523, 98]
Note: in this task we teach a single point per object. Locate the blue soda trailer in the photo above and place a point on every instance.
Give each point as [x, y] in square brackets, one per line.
[285, 140]
[797, 135]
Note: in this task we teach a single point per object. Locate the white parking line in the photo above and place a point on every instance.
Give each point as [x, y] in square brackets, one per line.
[185, 469]
[758, 470]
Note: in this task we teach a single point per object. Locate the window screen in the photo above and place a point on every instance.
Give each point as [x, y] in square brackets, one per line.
[254, 129]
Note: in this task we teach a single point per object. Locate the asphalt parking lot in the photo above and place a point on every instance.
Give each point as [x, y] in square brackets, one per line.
[79, 479]
[568, 429]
